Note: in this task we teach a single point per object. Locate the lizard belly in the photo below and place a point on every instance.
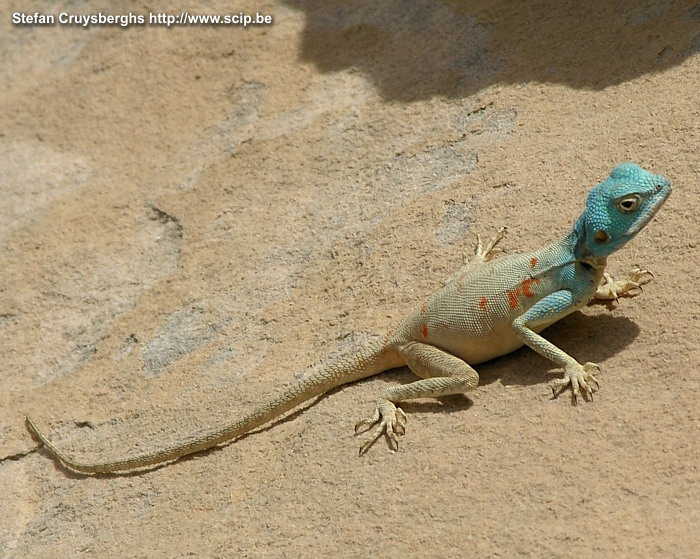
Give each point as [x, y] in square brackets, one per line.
[472, 316]
[473, 326]
[480, 348]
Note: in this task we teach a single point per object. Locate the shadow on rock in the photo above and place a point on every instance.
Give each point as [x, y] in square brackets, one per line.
[584, 337]
[415, 50]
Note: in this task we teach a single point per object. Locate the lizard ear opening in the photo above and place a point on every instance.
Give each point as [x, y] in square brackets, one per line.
[601, 237]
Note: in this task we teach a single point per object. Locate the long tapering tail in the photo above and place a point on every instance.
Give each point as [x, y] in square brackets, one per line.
[372, 359]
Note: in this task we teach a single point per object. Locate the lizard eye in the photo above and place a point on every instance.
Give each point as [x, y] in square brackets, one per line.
[629, 203]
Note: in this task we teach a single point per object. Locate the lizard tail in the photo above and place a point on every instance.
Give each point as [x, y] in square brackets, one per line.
[372, 359]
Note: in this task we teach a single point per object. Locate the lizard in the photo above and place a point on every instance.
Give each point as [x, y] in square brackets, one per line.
[489, 308]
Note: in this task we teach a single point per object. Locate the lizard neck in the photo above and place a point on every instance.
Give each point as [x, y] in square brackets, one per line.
[574, 243]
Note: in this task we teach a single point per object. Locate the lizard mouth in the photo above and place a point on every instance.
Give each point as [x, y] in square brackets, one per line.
[655, 203]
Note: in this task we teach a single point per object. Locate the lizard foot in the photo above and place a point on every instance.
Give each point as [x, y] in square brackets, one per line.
[578, 378]
[611, 289]
[388, 419]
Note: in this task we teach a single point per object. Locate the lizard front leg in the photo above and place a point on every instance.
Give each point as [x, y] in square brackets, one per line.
[546, 311]
[442, 374]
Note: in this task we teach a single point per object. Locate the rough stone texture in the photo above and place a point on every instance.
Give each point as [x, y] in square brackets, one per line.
[191, 217]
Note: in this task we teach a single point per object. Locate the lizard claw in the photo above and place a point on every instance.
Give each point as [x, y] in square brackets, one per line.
[639, 272]
[636, 279]
[387, 419]
[581, 380]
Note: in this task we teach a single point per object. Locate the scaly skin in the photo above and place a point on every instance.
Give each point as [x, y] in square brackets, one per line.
[488, 308]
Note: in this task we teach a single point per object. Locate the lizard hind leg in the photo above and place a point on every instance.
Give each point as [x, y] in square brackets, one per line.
[481, 254]
[442, 374]
[492, 248]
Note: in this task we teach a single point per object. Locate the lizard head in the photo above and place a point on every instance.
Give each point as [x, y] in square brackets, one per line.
[618, 208]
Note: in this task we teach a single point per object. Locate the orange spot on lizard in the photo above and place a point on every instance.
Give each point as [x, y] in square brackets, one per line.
[424, 331]
[482, 303]
[513, 298]
[424, 308]
[523, 290]
[533, 262]
[527, 286]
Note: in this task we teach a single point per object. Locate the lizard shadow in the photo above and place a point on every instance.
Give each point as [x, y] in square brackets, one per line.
[577, 334]
[454, 48]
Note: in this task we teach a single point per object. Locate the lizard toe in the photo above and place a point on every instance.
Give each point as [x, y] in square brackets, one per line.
[367, 422]
[640, 275]
[581, 380]
[387, 420]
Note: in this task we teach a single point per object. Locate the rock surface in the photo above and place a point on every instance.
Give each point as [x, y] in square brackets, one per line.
[192, 216]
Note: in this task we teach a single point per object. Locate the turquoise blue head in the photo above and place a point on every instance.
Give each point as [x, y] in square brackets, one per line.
[618, 208]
